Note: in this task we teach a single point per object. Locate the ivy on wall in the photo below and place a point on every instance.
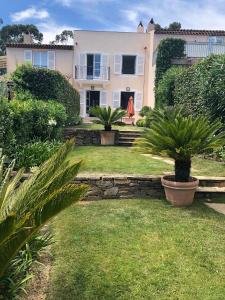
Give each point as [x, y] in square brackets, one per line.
[168, 48]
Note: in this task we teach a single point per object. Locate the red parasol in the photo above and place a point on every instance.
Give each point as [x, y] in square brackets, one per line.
[130, 107]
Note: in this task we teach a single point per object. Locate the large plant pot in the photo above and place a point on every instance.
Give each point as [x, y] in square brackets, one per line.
[108, 137]
[179, 193]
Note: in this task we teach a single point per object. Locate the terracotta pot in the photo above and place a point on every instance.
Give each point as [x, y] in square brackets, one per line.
[179, 193]
[107, 137]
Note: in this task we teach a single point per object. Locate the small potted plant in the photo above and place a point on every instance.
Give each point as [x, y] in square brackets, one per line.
[179, 137]
[107, 117]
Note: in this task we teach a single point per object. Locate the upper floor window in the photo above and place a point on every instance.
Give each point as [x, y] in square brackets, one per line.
[93, 65]
[40, 59]
[128, 64]
[216, 40]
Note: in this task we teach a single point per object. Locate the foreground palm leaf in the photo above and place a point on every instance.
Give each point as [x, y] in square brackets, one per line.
[173, 135]
[107, 116]
[25, 209]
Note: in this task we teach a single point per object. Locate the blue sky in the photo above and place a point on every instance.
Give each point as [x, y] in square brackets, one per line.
[53, 16]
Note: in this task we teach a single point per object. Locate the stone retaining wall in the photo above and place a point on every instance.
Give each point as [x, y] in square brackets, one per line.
[122, 187]
[86, 137]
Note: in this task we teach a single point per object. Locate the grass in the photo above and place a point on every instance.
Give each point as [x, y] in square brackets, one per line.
[138, 249]
[115, 127]
[122, 160]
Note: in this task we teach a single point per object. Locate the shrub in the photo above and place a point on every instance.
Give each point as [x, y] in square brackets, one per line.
[200, 88]
[180, 138]
[168, 48]
[164, 92]
[46, 85]
[145, 109]
[7, 136]
[3, 89]
[37, 120]
[34, 153]
[140, 123]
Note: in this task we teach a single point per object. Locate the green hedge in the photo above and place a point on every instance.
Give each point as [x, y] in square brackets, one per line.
[46, 84]
[201, 88]
[168, 48]
[37, 120]
[164, 92]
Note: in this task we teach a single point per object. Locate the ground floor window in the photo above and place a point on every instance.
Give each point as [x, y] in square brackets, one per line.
[92, 100]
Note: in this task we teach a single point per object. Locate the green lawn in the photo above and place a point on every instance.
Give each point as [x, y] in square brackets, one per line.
[121, 160]
[115, 127]
[138, 249]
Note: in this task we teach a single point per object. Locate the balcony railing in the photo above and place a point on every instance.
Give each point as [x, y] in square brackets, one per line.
[199, 50]
[90, 73]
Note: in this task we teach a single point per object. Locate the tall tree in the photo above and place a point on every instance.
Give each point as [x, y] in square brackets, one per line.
[63, 37]
[174, 26]
[14, 34]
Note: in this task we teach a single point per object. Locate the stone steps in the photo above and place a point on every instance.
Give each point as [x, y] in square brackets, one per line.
[126, 138]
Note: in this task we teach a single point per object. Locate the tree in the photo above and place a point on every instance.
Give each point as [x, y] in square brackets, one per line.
[25, 209]
[63, 37]
[14, 34]
[174, 26]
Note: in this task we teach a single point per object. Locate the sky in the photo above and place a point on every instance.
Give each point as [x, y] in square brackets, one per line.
[54, 16]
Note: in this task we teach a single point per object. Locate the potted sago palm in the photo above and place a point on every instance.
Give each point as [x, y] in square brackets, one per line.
[107, 117]
[180, 138]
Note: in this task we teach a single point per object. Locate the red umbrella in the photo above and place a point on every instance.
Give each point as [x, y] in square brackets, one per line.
[130, 107]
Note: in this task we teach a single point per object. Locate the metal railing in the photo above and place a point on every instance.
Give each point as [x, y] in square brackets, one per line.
[90, 73]
[197, 49]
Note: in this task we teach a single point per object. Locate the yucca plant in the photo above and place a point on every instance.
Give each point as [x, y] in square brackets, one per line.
[178, 137]
[107, 116]
[25, 208]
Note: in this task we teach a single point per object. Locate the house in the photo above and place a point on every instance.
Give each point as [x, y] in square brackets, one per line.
[109, 67]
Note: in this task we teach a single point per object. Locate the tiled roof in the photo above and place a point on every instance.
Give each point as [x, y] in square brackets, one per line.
[39, 46]
[191, 32]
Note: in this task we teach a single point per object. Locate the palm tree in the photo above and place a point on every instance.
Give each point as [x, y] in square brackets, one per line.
[180, 138]
[106, 116]
[25, 209]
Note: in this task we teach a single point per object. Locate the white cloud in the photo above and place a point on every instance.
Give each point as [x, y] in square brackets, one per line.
[50, 29]
[29, 13]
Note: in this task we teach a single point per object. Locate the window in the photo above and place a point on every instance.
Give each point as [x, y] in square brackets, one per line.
[93, 65]
[128, 64]
[40, 59]
[216, 40]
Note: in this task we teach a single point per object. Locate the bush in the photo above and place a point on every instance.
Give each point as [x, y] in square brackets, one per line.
[144, 111]
[168, 48]
[7, 136]
[35, 153]
[140, 123]
[46, 85]
[3, 89]
[200, 88]
[37, 120]
[164, 92]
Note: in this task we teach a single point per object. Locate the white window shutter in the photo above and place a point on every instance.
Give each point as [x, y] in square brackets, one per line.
[82, 103]
[103, 98]
[140, 65]
[104, 66]
[117, 64]
[51, 60]
[28, 56]
[116, 99]
[82, 66]
[138, 101]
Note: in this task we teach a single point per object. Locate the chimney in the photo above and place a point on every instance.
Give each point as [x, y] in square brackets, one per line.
[151, 25]
[27, 38]
[140, 28]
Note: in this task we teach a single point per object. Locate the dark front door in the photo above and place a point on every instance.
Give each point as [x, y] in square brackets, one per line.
[93, 99]
[124, 99]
